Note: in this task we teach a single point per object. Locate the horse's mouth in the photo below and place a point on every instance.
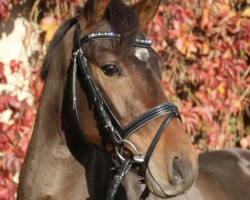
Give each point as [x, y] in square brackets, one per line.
[153, 186]
[160, 189]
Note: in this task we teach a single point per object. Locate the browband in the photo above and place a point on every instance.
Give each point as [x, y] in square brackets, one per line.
[110, 35]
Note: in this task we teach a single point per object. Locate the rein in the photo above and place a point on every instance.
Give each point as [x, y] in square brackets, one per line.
[118, 134]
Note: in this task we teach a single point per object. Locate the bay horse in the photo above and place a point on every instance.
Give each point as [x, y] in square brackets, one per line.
[102, 58]
[103, 112]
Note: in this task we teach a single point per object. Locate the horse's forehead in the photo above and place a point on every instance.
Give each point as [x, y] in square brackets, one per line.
[103, 25]
[102, 47]
[138, 55]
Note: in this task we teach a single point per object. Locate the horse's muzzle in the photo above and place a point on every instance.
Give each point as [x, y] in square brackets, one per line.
[181, 177]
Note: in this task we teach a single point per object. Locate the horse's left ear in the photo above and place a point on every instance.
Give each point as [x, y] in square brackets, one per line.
[146, 10]
[94, 10]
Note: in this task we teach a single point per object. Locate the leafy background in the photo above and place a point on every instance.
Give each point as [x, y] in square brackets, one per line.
[205, 47]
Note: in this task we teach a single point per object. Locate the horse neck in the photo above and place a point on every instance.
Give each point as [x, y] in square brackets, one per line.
[54, 119]
[49, 162]
[48, 123]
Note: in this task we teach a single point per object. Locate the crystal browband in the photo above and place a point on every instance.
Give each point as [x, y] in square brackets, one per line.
[110, 35]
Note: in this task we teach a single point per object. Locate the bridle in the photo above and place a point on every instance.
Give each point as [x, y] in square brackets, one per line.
[118, 134]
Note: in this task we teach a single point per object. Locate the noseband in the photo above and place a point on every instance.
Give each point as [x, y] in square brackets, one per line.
[118, 134]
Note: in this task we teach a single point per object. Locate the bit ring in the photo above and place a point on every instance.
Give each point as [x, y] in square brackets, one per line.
[136, 158]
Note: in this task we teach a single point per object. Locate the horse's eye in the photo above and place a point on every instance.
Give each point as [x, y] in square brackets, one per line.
[110, 70]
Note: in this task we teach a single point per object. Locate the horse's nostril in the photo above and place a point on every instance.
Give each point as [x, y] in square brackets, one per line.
[176, 174]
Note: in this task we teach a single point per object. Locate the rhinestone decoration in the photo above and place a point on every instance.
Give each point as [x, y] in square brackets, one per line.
[111, 35]
[102, 34]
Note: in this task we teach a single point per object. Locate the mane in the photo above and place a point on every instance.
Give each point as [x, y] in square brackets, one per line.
[63, 29]
[123, 21]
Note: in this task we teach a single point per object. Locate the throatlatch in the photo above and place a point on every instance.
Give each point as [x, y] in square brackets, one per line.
[118, 134]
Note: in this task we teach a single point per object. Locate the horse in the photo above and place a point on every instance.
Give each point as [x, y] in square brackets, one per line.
[103, 115]
[101, 76]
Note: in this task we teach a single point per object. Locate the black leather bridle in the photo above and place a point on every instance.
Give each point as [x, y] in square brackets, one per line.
[118, 134]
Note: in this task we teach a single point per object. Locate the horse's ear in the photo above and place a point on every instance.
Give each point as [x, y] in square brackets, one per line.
[93, 10]
[146, 10]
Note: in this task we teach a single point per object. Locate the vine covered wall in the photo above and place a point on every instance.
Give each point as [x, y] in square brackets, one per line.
[206, 52]
[205, 48]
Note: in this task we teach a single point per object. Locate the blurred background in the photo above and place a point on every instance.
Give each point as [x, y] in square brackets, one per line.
[205, 47]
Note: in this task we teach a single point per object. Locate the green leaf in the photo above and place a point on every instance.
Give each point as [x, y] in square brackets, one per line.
[242, 52]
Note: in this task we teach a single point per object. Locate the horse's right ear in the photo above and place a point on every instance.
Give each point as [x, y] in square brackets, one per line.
[146, 10]
[93, 11]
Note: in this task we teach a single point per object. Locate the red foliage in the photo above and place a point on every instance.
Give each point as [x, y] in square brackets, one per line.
[206, 52]
[9, 102]
[15, 135]
[3, 10]
[15, 65]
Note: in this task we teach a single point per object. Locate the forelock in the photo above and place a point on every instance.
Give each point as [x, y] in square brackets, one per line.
[124, 21]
